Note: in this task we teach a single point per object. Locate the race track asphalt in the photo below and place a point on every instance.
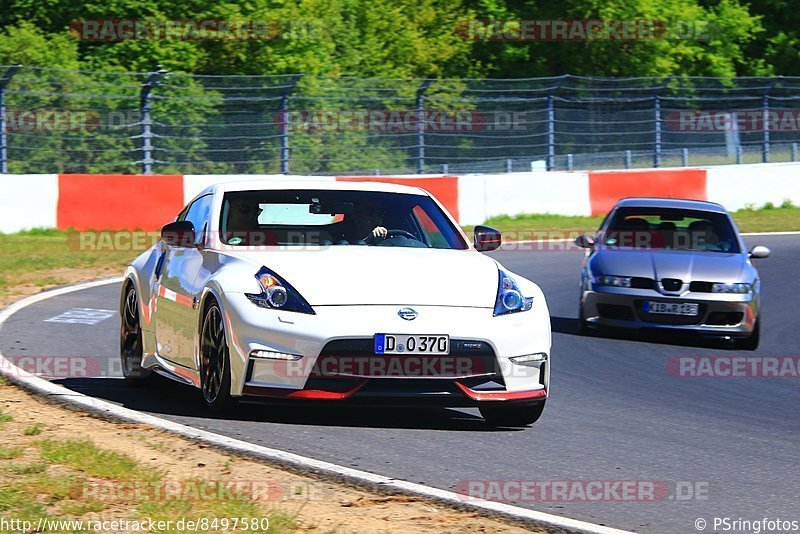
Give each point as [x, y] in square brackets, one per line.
[615, 413]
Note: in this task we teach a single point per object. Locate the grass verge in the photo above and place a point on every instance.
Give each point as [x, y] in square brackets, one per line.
[768, 218]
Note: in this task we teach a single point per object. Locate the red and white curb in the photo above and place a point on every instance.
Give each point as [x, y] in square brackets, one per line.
[295, 462]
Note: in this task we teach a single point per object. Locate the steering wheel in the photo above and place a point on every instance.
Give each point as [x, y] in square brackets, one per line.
[394, 232]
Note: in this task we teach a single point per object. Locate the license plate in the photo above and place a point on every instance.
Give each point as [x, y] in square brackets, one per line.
[411, 344]
[672, 308]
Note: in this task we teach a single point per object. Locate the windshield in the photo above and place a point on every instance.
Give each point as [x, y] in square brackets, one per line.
[337, 218]
[670, 228]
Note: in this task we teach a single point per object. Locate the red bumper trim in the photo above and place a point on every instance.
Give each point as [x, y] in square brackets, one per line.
[502, 395]
[308, 394]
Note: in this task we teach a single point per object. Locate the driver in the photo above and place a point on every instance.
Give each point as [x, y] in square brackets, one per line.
[367, 222]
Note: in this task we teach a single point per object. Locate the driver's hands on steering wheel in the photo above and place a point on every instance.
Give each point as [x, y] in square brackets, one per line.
[380, 231]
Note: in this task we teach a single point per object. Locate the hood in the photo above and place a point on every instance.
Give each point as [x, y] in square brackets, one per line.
[355, 275]
[681, 264]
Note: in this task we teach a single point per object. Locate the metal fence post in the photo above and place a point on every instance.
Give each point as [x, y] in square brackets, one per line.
[765, 105]
[685, 154]
[421, 125]
[152, 81]
[628, 159]
[794, 151]
[3, 138]
[285, 123]
[570, 162]
[657, 119]
[551, 133]
[739, 155]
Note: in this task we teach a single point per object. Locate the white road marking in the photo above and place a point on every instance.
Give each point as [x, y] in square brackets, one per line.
[90, 316]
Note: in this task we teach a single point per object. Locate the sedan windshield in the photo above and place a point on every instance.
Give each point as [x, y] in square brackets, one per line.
[339, 218]
[670, 228]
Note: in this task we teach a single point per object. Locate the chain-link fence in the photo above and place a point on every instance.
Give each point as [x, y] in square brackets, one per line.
[158, 122]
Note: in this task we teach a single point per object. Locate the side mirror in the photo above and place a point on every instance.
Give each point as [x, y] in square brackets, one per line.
[584, 241]
[179, 234]
[487, 238]
[760, 252]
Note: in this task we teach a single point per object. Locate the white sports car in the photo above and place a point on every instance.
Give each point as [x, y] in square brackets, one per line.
[335, 291]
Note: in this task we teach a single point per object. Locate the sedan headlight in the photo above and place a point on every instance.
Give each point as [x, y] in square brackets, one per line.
[740, 288]
[509, 297]
[277, 293]
[613, 281]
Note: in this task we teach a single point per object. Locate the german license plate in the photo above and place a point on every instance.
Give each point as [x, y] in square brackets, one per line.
[672, 308]
[411, 344]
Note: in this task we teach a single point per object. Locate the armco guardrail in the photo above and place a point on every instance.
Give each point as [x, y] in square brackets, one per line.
[146, 202]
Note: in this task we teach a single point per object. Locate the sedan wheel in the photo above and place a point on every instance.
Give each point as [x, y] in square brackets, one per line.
[215, 373]
[131, 339]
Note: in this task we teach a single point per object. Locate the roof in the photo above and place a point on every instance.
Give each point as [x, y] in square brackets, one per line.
[303, 184]
[655, 202]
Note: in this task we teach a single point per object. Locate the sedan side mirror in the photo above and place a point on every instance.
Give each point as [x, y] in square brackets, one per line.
[760, 252]
[487, 238]
[584, 241]
[179, 234]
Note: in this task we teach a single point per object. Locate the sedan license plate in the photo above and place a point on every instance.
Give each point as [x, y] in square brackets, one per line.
[411, 344]
[672, 308]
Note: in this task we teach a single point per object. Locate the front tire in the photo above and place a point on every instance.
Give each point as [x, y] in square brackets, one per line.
[130, 346]
[751, 342]
[215, 365]
[504, 415]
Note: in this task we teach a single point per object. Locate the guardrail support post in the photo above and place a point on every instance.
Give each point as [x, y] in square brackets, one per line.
[421, 125]
[152, 81]
[3, 138]
[794, 151]
[628, 159]
[569, 162]
[739, 155]
[445, 168]
[685, 154]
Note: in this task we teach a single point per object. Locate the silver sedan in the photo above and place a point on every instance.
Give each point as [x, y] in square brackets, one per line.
[673, 265]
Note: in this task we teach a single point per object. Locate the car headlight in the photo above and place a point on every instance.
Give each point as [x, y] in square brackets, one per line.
[509, 297]
[613, 281]
[277, 293]
[740, 288]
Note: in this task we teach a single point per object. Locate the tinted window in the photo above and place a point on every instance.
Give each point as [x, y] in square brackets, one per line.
[320, 217]
[670, 228]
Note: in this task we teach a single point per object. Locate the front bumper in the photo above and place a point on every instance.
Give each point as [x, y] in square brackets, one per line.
[719, 314]
[345, 334]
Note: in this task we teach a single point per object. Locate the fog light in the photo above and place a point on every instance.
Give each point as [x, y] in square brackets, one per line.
[271, 355]
[529, 359]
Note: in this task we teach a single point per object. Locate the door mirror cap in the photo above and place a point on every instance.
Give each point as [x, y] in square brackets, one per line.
[487, 238]
[760, 252]
[584, 241]
[179, 234]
